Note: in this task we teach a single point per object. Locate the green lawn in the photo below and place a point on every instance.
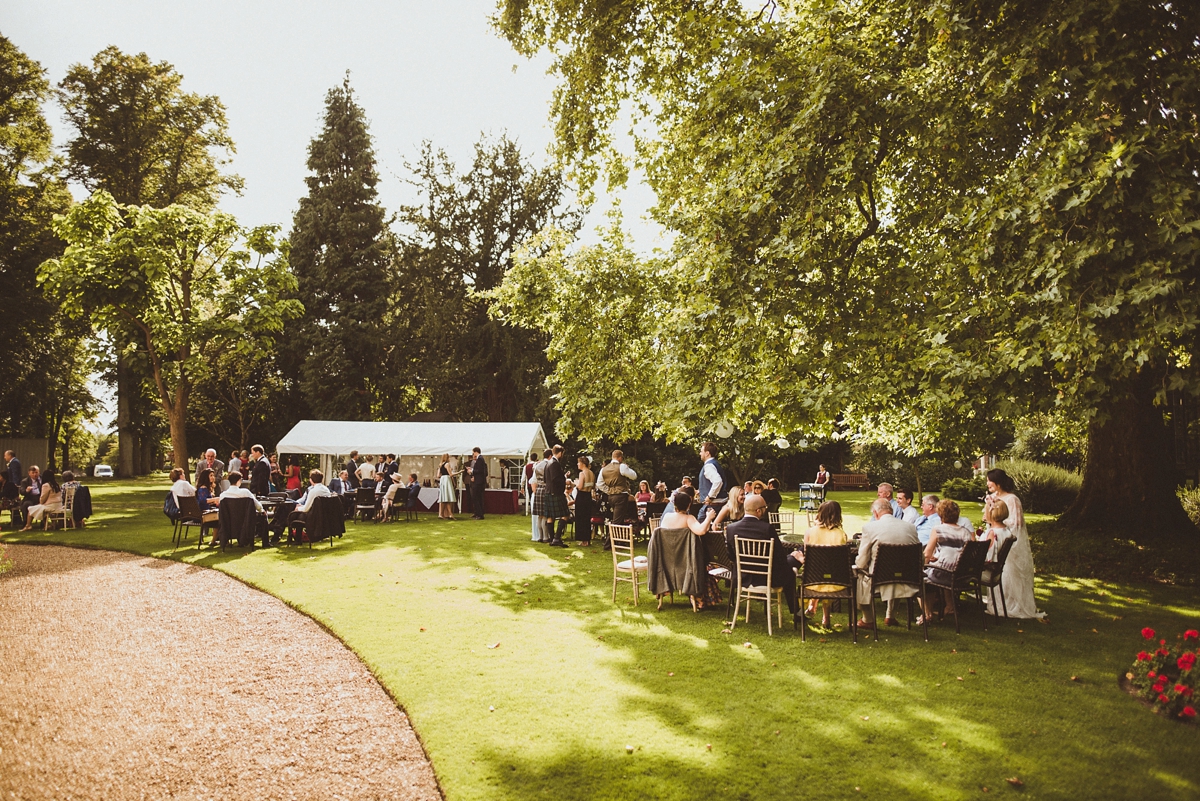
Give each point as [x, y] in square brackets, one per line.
[524, 680]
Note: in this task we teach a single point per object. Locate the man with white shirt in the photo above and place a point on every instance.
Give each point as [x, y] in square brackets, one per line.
[316, 489]
[928, 518]
[884, 529]
[181, 488]
[905, 510]
[714, 485]
[615, 480]
[236, 490]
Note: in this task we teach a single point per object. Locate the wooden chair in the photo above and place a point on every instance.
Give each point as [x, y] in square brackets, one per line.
[626, 566]
[993, 572]
[900, 565]
[65, 514]
[967, 576]
[189, 515]
[755, 558]
[783, 522]
[828, 565]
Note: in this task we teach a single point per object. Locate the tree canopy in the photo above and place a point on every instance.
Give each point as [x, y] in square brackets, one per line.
[908, 220]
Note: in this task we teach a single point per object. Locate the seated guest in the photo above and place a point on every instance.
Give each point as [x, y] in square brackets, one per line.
[31, 490]
[757, 487]
[338, 484]
[236, 490]
[396, 489]
[827, 531]
[50, 500]
[754, 526]
[81, 505]
[884, 491]
[996, 533]
[180, 488]
[945, 546]
[882, 528]
[644, 495]
[772, 495]
[748, 488]
[316, 489]
[660, 493]
[906, 511]
[679, 518]
[928, 519]
[207, 497]
[733, 510]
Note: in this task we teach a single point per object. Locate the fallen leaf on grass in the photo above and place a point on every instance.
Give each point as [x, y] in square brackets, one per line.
[708, 746]
[1022, 631]
[960, 678]
[422, 628]
[954, 650]
[971, 671]
[1094, 631]
[670, 674]
[943, 745]
[863, 717]
[497, 645]
[1015, 782]
[747, 645]
[491, 709]
[1075, 678]
[520, 592]
[985, 789]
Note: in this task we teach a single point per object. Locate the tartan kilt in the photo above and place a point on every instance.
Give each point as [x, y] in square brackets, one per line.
[554, 506]
[539, 501]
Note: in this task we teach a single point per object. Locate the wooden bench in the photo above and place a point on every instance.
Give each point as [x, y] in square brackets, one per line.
[841, 481]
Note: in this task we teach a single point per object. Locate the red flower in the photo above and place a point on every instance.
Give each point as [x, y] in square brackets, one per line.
[1186, 692]
[1163, 652]
[1162, 642]
[1188, 713]
[1191, 634]
[1143, 656]
[1150, 674]
[1148, 633]
[1186, 661]
[1162, 699]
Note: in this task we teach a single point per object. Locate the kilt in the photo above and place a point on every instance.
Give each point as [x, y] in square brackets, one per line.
[555, 505]
[539, 501]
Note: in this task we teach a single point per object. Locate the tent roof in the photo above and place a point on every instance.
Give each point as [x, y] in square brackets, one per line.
[336, 437]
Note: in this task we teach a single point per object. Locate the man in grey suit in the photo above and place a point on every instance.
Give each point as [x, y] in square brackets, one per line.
[888, 530]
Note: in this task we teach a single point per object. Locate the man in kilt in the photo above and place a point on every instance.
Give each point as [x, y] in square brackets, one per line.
[554, 506]
[539, 495]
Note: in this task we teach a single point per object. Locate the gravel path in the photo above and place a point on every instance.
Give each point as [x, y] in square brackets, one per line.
[128, 677]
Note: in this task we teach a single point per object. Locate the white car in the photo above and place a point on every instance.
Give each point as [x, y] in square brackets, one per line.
[103, 471]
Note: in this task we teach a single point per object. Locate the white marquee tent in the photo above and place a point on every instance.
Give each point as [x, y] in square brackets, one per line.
[418, 444]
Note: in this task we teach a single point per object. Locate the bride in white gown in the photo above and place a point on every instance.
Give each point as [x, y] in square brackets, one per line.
[1017, 580]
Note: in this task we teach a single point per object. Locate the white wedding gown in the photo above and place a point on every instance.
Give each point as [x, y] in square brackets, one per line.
[1017, 580]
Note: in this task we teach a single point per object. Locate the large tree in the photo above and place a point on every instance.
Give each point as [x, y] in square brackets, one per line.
[341, 253]
[191, 283]
[910, 218]
[140, 137]
[458, 242]
[44, 368]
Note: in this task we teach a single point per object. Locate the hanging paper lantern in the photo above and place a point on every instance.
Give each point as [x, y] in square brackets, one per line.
[723, 429]
[958, 464]
[896, 465]
[782, 444]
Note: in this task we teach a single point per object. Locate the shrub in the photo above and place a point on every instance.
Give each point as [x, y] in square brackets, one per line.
[965, 489]
[1190, 498]
[1165, 677]
[1043, 488]
[935, 469]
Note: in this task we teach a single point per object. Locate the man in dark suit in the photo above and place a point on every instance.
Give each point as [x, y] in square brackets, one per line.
[752, 526]
[14, 468]
[260, 472]
[351, 469]
[478, 471]
[555, 507]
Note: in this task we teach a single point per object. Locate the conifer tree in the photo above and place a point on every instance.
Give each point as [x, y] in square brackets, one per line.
[341, 252]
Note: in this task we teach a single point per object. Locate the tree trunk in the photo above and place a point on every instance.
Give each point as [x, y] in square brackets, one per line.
[127, 445]
[1130, 478]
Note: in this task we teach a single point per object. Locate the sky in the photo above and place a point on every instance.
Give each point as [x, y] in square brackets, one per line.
[431, 70]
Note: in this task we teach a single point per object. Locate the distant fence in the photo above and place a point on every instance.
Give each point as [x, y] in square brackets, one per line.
[28, 451]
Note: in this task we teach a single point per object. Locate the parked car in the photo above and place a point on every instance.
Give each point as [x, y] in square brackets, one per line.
[103, 471]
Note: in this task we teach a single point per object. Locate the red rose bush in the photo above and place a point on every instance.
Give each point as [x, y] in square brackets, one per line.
[1166, 677]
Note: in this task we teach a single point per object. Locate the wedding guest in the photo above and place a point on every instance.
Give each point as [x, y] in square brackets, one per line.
[929, 518]
[585, 507]
[236, 490]
[180, 488]
[644, 494]
[260, 472]
[679, 519]
[31, 491]
[49, 500]
[754, 526]
[884, 491]
[210, 462]
[614, 481]
[944, 548]
[733, 510]
[905, 510]
[882, 528]
[772, 495]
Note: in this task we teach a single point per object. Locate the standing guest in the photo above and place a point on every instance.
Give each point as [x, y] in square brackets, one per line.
[753, 526]
[14, 468]
[887, 529]
[31, 491]
[614, 481]
[260, 472]
[944, 548]
[734, 510]
[527, 489]
[276, 473]
[904, 508]
[478, 470]
[9, 495]
[293, 476]
[49, 500]
[366, 472]
[644, 495]
[555, 505]
[772, 495]
[352, 469]
[585, 507]
[827, 531]
[391, 470]
[714, 484]
[235, 463]
[1019, 570]
[210, 462]
[447, 497]
[822, 478]
[538, 486]
[928, 519]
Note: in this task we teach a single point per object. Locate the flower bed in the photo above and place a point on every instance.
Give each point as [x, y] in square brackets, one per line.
[1165, 678]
